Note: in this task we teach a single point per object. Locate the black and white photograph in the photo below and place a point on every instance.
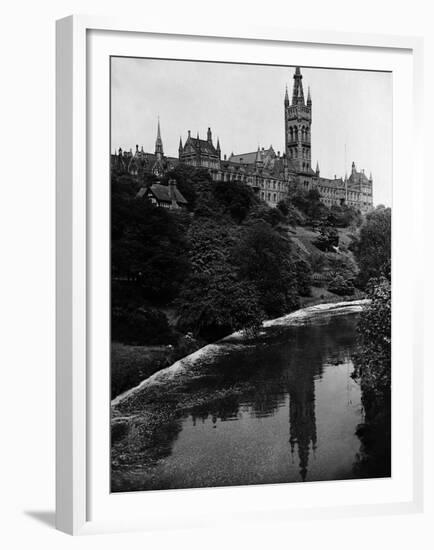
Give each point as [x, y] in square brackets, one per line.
[250, 261]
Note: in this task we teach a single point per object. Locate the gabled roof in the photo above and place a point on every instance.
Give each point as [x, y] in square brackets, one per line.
[162, 193]
[203, 145]
[358, 177]
[250, 158]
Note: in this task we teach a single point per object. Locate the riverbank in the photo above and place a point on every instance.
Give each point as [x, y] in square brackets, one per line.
[295, 318]
[220, 379]
[132, 364]
[129, 365]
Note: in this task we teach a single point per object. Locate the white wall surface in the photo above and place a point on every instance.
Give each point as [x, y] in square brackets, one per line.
[27, 271]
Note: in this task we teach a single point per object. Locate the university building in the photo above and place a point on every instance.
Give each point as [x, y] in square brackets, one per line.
[269, 173]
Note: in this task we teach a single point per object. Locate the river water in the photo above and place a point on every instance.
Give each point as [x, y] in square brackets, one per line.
[282, 409]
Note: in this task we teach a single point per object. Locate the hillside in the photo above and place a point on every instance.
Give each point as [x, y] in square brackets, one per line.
[326, 266]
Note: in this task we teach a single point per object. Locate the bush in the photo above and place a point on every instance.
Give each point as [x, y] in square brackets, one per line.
[341, 286]
[328, 239]
[142, 326]
[374, 359]
[372, 247]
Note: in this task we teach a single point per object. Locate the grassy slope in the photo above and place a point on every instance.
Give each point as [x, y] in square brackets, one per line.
[132, 364]
[303, 238]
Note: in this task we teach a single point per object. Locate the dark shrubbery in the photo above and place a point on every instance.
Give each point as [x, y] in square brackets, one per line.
[328, 239]
[341, 286]
[372, 247]
[142, 326]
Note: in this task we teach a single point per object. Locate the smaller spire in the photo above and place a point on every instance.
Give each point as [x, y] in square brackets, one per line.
[286, 95]
[258, 159]
[197, 135]
[309, 99]
[317, 168]
[180, 148]
[159, 142]
[218, 144]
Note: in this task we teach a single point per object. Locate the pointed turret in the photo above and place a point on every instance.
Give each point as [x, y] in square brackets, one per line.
[159, 143]
[209, 136]
[218, 148]
[317, 169]
[286, 102]
[309, 99]
[180, 147]
[258, 159]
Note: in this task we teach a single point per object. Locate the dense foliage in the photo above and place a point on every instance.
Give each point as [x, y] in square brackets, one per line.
[372, 247]
[373, 370]
[373, 366]
[228, 261]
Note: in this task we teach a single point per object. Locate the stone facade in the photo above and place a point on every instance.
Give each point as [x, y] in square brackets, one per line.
[270, 174]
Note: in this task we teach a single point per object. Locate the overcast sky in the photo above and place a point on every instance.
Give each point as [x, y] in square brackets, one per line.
[243, 105]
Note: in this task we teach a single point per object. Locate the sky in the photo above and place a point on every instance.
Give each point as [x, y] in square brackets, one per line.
[243, 105]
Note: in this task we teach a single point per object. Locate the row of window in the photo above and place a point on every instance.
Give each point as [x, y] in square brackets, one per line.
[270, 197]
[294, 133]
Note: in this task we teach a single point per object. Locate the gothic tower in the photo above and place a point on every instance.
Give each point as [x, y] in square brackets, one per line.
[298, 120]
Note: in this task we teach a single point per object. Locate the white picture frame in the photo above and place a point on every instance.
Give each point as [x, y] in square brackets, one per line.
[83, 502]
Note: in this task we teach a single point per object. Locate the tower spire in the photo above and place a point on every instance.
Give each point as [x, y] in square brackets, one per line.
[297, 91]
[159, 142]
[309, 99]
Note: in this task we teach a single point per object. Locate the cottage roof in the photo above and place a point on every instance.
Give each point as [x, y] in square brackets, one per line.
[162, 193]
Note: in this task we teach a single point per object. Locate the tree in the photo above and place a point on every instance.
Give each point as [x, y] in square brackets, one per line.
[328, 239]
[374, 328]
[372, 367]
[214, 300]
[235, 198]
[149, 248]
[191, 182]
[309, 203]
[263, 256]
[214, 304]
[372, 246]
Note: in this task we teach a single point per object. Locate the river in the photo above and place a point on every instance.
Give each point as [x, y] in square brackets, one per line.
[280, 408]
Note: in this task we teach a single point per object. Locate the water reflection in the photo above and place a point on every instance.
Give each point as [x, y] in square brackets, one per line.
[282, 410]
